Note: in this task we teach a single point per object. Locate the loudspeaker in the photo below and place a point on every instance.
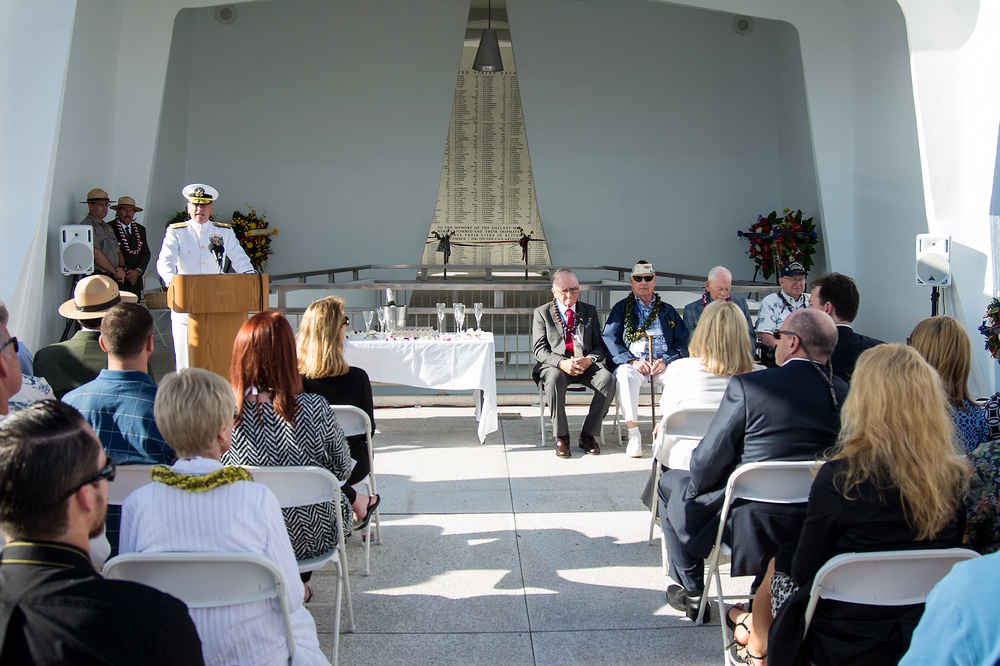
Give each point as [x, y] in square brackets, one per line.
[76, 249]
[933, 260]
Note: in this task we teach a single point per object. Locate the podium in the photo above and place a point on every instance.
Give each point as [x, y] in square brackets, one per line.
[216, 306]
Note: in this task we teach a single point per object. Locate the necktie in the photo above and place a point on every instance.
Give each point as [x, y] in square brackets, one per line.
[570, 320]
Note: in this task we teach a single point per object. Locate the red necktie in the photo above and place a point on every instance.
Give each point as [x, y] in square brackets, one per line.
[570, 319]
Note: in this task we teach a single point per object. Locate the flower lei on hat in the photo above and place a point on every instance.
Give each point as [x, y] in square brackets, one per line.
[123, 238]
[631, 334]
[991, 328]
[199, 483]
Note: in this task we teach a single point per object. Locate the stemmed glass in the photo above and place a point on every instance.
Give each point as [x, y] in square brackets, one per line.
[368, 321]
[478, 309]
[459, 316]
[381, 320]
[441, 315]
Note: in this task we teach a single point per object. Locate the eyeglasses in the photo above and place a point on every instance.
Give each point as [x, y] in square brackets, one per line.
[10, 341]
[643, 278]
[106, 472]
[571, 290]
[778, 334]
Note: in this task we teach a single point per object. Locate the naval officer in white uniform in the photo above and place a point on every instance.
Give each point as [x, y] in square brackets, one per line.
[197, 247]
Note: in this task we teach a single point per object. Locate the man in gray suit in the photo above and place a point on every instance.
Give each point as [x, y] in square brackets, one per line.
[791, 412]
[566, 338]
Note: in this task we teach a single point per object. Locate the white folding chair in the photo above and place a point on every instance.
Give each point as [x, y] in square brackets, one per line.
[572, 388]
[888, 578]
[772, 482]
[689, 423]
[303, 486]
[207, 580]
[127, 479]
[355, 421]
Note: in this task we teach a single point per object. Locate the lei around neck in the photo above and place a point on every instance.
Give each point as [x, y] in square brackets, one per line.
[199, 483]
[631, 333]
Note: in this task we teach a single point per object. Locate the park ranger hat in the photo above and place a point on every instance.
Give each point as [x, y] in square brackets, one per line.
[199, 193]
[97, 195]
[643, 268]
[126, 201]
[93, 297]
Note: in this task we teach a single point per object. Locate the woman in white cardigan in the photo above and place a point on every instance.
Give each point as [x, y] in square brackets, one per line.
[719, 348]
[198, 505]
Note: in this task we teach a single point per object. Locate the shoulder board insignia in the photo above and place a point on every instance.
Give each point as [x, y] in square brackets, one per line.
[178, 225]
[224, 225]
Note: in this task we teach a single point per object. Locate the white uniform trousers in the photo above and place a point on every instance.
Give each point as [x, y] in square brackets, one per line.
[179, 333]
[630, 381]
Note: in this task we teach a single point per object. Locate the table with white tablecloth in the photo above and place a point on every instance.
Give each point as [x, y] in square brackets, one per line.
[455, 363]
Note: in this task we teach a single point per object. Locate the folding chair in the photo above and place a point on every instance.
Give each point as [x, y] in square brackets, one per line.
[574, 388]
[207, 580]
[689, 423]
[354, 421]
[303, 486]
[772, 482]
[127, 479]
[893, 578]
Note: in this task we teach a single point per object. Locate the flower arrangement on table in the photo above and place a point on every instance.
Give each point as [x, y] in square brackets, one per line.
[255, 236]
[991, 328]
[777, 240]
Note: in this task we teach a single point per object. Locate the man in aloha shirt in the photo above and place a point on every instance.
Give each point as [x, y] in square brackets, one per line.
[642, 313]
[774, 308]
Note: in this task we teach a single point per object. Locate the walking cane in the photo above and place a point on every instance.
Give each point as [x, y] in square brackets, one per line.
[652, 388]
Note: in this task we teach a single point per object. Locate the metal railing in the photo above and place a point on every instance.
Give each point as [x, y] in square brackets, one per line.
[509, 295]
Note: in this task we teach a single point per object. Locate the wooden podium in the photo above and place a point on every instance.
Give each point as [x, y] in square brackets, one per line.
[216, 305]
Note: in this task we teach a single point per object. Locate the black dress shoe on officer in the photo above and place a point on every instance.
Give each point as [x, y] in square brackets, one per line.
[562, 447]
[589, 444]
[679, 599]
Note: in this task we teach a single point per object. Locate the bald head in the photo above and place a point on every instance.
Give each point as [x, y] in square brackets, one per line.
[816, 330]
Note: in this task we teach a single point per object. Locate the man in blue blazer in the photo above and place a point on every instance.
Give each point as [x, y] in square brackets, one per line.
[791, 412]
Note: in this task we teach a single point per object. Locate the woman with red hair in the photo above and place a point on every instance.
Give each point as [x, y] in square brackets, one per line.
[277, 424]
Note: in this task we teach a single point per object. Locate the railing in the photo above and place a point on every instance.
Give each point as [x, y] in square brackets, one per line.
[509, 295]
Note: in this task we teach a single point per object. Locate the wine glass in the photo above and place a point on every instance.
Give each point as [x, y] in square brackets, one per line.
[368, 321]
[459, 316]
[478, 309]
[441, 315]
[381, 320]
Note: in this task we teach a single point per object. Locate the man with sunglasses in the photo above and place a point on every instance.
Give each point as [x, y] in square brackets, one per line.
[635, 322]
[54, 607]
[791, 412]
[10, 370]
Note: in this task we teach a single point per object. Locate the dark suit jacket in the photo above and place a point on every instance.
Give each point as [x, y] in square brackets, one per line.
[849, 348]
[549, 341]
[137, 261]
[67, 365]
[783, 413]
[675, 334]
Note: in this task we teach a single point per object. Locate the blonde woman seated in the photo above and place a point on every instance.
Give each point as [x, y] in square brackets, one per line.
[719, 348]
[197, 505]
[320, 347]
[894, 481]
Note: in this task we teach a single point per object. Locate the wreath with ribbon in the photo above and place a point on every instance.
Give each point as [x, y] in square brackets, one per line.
[775, 240]
[991, 328]
[631, 334]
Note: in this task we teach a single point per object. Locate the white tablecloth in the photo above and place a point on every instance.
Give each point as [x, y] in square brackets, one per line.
[459, 364]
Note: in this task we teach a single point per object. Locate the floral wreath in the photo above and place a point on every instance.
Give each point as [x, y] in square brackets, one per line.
[991, 328]
[631, 334]
[775, 241]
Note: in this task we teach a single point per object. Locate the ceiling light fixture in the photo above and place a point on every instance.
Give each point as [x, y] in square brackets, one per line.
[488, 56]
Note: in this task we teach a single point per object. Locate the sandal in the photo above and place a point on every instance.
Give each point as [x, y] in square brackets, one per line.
[733, 625]
[744, 655]
[309, 593]
[363, 523]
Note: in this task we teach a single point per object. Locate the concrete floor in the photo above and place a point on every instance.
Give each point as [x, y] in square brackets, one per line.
[505, 554]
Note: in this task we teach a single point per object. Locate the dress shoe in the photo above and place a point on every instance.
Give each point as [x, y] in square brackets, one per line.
[589, 444]
[562, 447]
[679, 599]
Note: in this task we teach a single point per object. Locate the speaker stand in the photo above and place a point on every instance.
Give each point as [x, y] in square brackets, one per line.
[935, 295]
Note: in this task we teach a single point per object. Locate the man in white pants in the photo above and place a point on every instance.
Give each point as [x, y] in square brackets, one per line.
[633, 321]
[197, 247]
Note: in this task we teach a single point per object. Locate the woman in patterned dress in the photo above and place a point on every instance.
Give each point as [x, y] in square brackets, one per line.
[277, 424]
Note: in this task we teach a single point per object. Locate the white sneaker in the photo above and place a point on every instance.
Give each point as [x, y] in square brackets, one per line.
[634, 447]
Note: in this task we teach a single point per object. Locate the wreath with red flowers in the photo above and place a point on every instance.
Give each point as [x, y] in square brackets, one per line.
[775, 241]
[991, 328]
[254, 235]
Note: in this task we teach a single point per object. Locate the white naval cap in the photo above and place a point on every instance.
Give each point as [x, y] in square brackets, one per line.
[199, 193]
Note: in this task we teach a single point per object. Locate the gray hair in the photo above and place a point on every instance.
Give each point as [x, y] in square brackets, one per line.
[720, 271]
[4, 314]
[816, 330]
[559, 273]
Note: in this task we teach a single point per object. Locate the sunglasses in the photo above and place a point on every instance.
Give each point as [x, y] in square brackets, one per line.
[643, 278]
[778, 334]
[10, 341]
[106, 472]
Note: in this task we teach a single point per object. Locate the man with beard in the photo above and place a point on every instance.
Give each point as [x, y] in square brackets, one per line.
[54, 607]
[132, 241]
